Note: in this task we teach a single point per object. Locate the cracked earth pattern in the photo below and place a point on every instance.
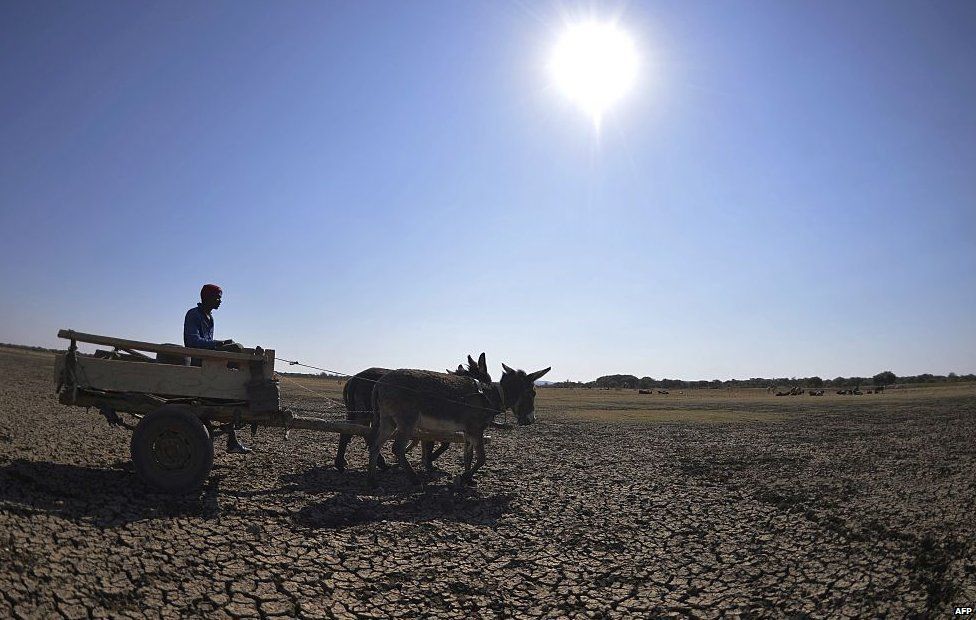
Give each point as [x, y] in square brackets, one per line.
[851, 509]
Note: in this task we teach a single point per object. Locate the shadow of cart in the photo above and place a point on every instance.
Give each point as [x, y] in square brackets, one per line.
[104, 497]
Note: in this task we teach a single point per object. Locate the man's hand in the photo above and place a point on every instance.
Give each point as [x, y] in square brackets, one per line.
[229, 346]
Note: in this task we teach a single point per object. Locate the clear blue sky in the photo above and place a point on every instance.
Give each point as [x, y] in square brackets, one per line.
[790, 190]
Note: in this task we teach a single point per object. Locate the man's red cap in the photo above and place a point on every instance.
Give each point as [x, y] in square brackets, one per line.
[209, 291]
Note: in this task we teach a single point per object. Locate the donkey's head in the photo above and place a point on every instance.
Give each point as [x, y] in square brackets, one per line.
[476, 370]
[519, 390]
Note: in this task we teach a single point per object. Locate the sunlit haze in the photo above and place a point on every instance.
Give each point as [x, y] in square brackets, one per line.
[594, 64]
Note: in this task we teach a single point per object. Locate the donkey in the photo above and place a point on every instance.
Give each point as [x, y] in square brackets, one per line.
[475, 370]
[404, 400]
[357, 394]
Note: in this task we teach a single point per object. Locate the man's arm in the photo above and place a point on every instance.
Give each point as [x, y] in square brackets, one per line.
[193, 332]
[230, 345]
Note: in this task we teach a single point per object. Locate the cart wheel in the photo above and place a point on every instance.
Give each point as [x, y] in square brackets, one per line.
[172, 450]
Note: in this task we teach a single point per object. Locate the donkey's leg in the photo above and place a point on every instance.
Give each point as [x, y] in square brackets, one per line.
[362, 414]
[381, 462]
[340, 458]
[468, 453]
[440, 450]
[344, 440]
[479, 449]
[351, 416]
[381, 430]
[431, 454]
[400, 450]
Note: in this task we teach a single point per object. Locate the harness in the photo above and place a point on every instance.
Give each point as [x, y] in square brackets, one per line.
[484, 390]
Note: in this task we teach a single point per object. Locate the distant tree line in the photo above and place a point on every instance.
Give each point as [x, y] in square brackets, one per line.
[632, 382]
[882, 378]
[25, 347]
[306, 375]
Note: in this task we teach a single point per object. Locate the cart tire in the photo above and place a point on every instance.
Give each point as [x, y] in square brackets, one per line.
[172, 450]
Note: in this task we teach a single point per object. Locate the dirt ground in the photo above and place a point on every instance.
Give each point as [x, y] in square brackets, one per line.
[699, 504]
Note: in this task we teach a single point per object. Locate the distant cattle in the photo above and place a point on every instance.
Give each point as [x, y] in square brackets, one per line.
[663, 392]
[645, 391]
[816, 392]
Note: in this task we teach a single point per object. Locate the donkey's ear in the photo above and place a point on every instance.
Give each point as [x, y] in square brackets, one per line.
[482, 364]
[506, 368]
[539, 373]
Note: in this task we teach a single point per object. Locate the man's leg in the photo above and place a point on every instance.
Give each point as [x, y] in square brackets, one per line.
[233, 445]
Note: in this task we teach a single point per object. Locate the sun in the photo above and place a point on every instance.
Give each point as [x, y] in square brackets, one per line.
[595, 65]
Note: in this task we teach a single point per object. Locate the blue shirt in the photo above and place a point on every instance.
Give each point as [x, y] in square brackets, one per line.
[198, 329]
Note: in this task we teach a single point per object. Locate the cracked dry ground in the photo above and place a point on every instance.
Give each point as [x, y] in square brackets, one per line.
[827, 509]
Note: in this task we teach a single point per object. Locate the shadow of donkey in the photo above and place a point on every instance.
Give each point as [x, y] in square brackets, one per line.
[441, 503]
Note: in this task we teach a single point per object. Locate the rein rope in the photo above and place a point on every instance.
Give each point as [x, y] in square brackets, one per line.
[335, 403]
[429, 394]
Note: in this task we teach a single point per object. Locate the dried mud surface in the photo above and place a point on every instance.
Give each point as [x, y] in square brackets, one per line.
[851, 510]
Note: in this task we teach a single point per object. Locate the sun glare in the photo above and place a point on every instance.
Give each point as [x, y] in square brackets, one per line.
[594, 64]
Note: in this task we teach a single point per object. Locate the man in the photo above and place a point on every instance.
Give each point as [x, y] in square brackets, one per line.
[198, 326]
[198, 333]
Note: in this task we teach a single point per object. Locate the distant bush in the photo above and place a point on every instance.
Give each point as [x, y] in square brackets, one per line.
[645, 383]
[884, 378]
[617, 381]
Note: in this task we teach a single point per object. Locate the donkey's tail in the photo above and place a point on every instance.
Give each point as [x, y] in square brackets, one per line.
[374, 423]
[347, 397]
[373, 402]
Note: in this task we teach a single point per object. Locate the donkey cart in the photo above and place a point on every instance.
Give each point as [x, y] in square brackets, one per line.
[179, 398]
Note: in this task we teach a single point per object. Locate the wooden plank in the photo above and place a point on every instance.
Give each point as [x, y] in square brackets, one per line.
[132, 403]
[348, 428]
[140, 403]
[172, 349]
[328, 426]
[269, 360]
[212, 380]
[145, 403]
[135, 353]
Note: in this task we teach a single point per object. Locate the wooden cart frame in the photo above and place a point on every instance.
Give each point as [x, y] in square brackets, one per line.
[179, 397]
